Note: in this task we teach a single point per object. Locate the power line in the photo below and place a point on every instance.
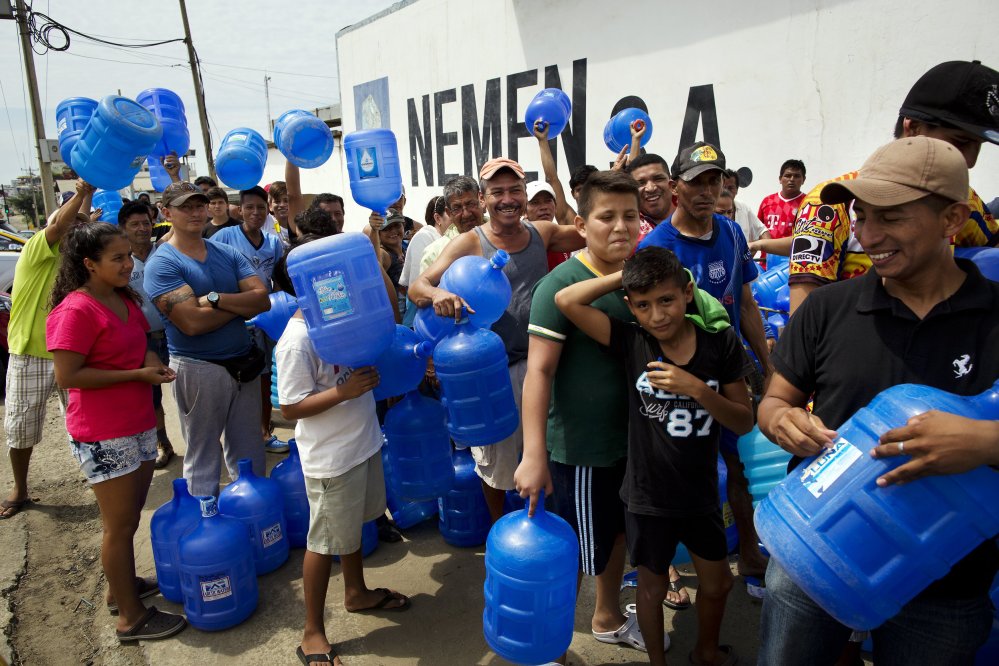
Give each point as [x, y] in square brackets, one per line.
[122, 62]
[10, 124]
[42, 27]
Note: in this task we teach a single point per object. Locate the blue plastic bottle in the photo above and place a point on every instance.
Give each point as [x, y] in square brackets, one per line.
[287, 474]
[241, 158]
[169, 523]
[256, 501]
[168, 108]
[471, 365]
[369, 540]
[405, 513]
[550, 106]
[158, 176]
[303, 139]
[372, 158]
[530, 588]
[483, 285]
[860, 551]
[765, 463]
[111, 148]
[109, 201]
[463, 515]
[342, 297]
[431, 326]
[512, 502]
[419, 448]
[72, 116]
[402, 366]
[617, 131]
[274, 321]
[216, 571]
[986, 258]
[767, 286]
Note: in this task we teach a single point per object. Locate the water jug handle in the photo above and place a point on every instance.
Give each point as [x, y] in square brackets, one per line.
[500, 259]
[986, 403]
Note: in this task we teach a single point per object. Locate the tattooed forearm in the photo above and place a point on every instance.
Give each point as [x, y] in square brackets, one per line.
[166, 302]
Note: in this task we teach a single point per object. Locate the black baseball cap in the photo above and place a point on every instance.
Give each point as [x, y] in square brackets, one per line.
[957, 93]
[694, 160]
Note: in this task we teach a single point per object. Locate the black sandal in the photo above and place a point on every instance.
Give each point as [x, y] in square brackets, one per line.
[152, 626]
[316, 658]
[675, 586]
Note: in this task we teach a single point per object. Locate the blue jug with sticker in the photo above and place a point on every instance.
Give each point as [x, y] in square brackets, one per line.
[288, 475]
[216, 571]
[402, 366]
[111, 148]
[419, 448]
[463, 515]
[405, 513]
[765, 463]
[303, 139]
[372, 158]
[342, 297]
[169, 523]
[617, 131]
[256, 501]
[861, 551]
[72, 116]
[482, 284]
[552, 107]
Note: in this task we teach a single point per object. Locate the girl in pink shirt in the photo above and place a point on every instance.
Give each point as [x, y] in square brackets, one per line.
[97, 335]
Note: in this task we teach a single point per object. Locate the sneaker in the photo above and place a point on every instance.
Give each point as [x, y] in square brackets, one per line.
[275, 445]
[164, 452]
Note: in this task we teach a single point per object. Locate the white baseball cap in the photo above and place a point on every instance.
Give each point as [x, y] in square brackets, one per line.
[537, 186]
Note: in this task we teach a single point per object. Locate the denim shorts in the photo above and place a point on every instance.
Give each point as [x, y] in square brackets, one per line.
[110, 458]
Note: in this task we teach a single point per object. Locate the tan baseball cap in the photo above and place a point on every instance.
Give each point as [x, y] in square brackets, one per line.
[905, 170]
[178, 193]
[490, 168]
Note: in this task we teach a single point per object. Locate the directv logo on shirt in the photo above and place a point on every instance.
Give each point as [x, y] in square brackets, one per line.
[368, 164]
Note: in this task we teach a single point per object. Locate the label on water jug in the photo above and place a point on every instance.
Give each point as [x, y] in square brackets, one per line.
[137, 161]
[271, 535]
[331, 293]
[215, 587]
[819, 476]
[367, 163]
[61, 126]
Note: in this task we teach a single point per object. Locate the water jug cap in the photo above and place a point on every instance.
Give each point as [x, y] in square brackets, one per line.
[209, 506]
[500, 259]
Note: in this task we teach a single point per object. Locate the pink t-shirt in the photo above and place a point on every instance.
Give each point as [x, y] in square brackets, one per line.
[83, 325]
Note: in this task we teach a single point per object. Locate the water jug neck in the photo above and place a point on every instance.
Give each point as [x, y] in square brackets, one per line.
[986, 404]
[292, 448]
[539, 510]
[180, 490]
[423, 349]
[500, 259]
[209, 506]
[245, 466]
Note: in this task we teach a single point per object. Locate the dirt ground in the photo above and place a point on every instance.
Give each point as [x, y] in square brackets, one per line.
[52, 591]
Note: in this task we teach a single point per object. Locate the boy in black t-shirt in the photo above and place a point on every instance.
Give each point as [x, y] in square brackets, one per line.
[685, 369]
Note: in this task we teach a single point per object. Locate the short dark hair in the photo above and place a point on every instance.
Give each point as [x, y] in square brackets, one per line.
[255, 191]
[316, 221]
[792, 164]
[647, 159]
[277, 189]
[434, 206]
[132, 208]
[217, 193]
[142, 194]
[326, 197]
[459, 185]
[651, 266]
[580, 174]
[205, 180]
[602, 182]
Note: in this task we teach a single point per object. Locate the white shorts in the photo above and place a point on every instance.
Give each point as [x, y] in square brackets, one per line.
[339, 507]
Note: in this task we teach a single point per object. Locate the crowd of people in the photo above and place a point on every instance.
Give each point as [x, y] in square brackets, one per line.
[629, 337]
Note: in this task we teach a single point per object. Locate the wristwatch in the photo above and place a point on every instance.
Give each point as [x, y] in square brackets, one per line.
[213, 299]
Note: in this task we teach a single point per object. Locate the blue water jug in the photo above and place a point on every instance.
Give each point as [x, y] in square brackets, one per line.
[405, 513]
[241, 158]
[274, 321]
[303, 139]
[111, 148]
[168, 108]
[372, 158]
[342, 297]
[617, 131]
[256, 501]
[419, 448]
[369, 539]
[483, 285]
[512, 501]
[471, 365]
[431, 326]
[530, 588]
[777, 261]
[216, 571]
[768, 285]
[72, 116]
[463, 515]
[402, 366]
[169, 523]
[986, 258]
[287, 474]
[765, 463]
[860, 551]
[552, 107]
[158, 176]
[109, 201]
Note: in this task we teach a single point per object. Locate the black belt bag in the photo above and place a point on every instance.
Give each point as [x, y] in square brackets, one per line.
[244, 368]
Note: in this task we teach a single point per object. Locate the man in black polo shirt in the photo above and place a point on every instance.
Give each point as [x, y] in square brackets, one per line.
[919, 317]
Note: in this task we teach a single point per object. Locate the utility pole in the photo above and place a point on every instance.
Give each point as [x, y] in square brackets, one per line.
[199, 92]
[48, 186]
[267, 95]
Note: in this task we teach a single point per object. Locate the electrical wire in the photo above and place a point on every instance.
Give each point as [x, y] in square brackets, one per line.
[10, 124]
[43, 29]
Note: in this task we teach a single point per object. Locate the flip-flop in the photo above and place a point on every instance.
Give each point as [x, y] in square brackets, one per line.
[153, 625]
[675, 586]
[146, 588]
[316, 658]
[731, 658]
[14, 506]
[388, 596]
[628, 633]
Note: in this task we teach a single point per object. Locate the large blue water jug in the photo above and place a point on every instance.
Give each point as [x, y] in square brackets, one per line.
[216, 571]
[777, 261]
[767, 288]
[550, 106]
[431, 326]
[168, 108]
[109, 201]
[373, 168]
[860, 551]
[303, 139]
[986, 258]
[114, 143]
[401, 367]
[617, 131]
[405, 513]
[342, 296]
[169, 523]
[765, 463]
[483, 285]
[274, 321]
[256, 501]
[241, 158]
[369, 539]
[287, 474]
[530, 589]
[463, 514]
[158, 176]
[72, 116]
[419, 448]
[471, 365]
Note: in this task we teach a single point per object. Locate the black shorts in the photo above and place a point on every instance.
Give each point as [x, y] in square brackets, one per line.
[652, 540]
[588, 499]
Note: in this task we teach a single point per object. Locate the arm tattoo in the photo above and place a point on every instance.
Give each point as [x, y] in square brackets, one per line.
[166, 302]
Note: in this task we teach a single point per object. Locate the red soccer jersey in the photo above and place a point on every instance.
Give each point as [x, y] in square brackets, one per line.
[779, 214]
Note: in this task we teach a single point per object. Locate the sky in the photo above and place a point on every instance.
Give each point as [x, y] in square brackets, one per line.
[238, 42]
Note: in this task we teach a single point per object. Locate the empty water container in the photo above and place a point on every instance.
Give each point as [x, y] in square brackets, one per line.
[405, 513]
[158, 176]
[168, 108]
[431, 326]
[287, 474]
[402, 366]
[550, 106]
[530, 588]
[861, 551]
[303, 139]
[482, 284]
[471, 365]
[72, 116]
[372, 158]
[169, 523]
[274, 321]
[241, 158]
[419, 448]
[343, 299]
[111, 148]
[109, 201]
[765, 463]
[257, 502]
[369, 539]
[216, 571]
[617, 131]
[464, 519]
[767, 286]
[986, 258]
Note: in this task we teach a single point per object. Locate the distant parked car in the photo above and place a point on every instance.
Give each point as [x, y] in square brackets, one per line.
[11, 245]
[4, 347]
[27, 233]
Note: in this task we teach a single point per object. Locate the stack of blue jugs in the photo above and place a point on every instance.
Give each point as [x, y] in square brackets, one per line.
[257, 502]
[303, 139]
[765, 463]
[110, 149]
[861, 551]
[168, 108]
[464, 518]
[288, 475]
[169, 523]
[405, 513]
